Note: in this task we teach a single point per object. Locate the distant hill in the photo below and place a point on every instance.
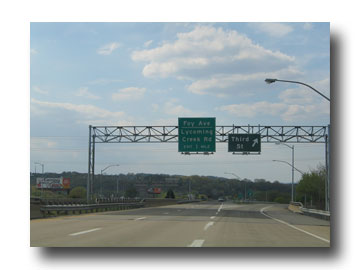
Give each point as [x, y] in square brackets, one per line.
[212, 187]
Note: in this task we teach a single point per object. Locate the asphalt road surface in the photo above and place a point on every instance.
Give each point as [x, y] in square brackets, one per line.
[205, 224]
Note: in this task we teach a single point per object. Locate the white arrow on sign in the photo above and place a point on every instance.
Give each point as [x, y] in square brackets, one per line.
[255, 141]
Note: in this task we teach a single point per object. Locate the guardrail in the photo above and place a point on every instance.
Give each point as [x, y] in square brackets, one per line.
[299, 208]
[70, 201]
[316, 213]
[42, 207]
[66, 209]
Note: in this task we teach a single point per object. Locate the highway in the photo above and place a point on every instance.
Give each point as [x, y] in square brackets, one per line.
[205, 224]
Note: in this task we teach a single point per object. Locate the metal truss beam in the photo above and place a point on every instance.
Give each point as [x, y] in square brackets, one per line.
[169, 134]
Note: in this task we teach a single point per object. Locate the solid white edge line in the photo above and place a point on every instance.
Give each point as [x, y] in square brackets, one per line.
[292, 226]
[197, 243]
[83, 232]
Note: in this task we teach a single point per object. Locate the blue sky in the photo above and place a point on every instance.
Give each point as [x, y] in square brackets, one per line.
[152, 73]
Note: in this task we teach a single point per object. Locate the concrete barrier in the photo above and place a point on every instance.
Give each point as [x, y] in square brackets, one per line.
[153, 202]
[35, 208]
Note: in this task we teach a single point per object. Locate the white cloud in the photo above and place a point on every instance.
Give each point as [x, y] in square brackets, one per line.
[252, 110]
[273, 29]
[37, 89]
[173, 108]
[287, 112]
[33, 51]
[108, 48]
[84, 92]
[128, 93]
[148, 43]
[83, 113]
[296, 96]
[212, 58]
[295, 104]
[223, 85]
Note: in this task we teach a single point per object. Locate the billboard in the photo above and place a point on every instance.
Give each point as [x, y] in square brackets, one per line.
[154, 190]
[53, 183]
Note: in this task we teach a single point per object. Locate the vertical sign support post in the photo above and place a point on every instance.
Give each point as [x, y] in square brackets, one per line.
[93, 164]
[293, 198]
[89, 165]
[327, 180]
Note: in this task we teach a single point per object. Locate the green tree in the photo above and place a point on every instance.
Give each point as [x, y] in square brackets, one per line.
[312, 185]
[281, 199]
[78, 192]
[131, 192]
[170, 194]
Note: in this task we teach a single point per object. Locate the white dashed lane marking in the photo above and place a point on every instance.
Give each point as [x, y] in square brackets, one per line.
[197, 243]
[83, 232]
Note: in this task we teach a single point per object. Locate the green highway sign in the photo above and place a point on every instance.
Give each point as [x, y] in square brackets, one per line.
[244, 143]
[197, 134]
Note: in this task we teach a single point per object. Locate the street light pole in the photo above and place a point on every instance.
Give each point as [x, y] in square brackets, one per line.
[292, 185]
[42, 167]
[327, 144]
[238, 177]
[42, 173]
[276, 80]
[292, 168]
[282, 161]
[102, 173]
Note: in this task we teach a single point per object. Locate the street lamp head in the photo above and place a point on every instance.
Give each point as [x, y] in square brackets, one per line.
[270, 80]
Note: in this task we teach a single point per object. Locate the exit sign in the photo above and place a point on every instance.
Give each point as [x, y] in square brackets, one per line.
[197, 134]
[244, 143]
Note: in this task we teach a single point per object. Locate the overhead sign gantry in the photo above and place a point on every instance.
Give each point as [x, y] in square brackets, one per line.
[172, 134]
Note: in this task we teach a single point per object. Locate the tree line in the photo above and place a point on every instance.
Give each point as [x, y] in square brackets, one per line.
[309, 190]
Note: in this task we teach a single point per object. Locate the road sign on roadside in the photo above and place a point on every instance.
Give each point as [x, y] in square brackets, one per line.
[197, 134]
[244, 143]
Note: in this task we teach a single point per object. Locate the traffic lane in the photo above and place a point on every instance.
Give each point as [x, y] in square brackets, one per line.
[182, 210]
[126, 233]
[99, 230]
[226, 233]
[127, 229]
[146, 233]
[162, 230]
[135, 229]
[248, 227]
